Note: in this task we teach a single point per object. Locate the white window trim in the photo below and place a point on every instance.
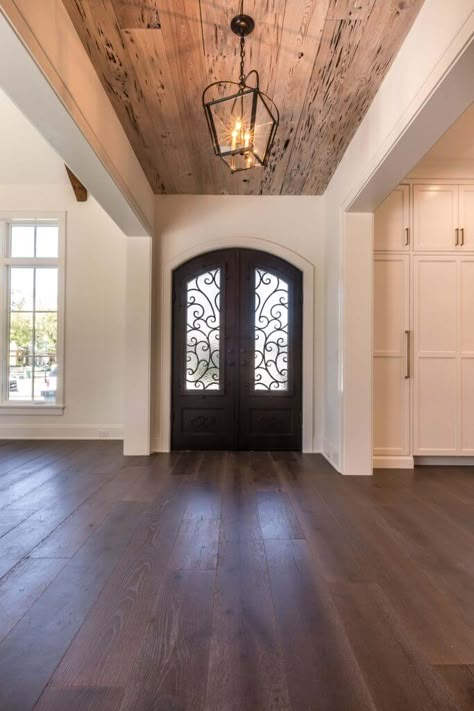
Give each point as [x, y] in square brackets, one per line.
[6, 218]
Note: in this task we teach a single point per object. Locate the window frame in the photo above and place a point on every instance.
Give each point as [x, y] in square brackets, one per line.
[29, 407]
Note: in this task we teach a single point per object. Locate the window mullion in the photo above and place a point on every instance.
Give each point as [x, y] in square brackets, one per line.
[33, 344]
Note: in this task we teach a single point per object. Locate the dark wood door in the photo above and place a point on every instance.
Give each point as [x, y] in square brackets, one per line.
[237, 349]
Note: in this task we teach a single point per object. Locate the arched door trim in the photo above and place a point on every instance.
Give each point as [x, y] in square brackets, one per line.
[163, 336]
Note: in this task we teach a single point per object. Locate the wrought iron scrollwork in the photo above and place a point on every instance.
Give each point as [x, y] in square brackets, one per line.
[271, 332]
[203, 331]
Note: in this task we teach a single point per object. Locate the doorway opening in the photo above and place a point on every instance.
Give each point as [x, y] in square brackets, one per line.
[237, 352]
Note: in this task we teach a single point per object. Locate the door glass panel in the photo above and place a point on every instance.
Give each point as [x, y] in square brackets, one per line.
[271, 332]
[203, 305]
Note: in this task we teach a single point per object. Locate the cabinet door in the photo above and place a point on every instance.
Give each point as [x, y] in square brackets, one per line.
[435, 355]
[392, 221]
[466, 356]
[466, 216]
[435, 217]
[391, 384]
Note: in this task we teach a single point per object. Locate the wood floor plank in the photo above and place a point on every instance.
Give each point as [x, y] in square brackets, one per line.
[17, 453]
[80, 699]
[246, 666]
[112, 635]
[196, 545]
[33, 649]
[65, 540]
[460, 681]
[338, 556]
[57, 451]
[319, 662]
[277, 517]
[21, 540]
[45, 487]
[397, 676]
[239, 510]
[439, 547]
[21, 588]
[171, 670]
[12, 518]
[433, 617]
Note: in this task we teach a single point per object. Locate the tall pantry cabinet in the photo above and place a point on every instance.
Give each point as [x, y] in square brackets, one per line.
[424, 323]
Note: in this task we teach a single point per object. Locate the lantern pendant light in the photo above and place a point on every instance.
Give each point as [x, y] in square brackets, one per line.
[242, 119]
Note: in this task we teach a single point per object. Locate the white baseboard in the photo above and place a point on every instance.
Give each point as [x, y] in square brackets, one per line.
[393, 463]
[444, 461]
[329, 452]
[60, 431]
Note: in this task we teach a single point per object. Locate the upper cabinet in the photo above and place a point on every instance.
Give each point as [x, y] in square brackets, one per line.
[436, 217]
[466, 216]
[432, 217]
[392, 222]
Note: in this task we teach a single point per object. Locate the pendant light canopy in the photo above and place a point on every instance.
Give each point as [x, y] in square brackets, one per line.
[242, 119]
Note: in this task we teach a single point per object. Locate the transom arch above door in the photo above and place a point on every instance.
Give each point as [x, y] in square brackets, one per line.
[237, 352]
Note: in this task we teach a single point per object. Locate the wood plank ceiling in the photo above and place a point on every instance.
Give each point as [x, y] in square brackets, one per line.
[322, 61]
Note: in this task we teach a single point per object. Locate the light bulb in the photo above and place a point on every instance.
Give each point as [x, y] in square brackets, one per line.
[247, 139]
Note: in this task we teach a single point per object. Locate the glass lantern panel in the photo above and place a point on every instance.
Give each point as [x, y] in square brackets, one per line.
[232, 120]
[263, 129]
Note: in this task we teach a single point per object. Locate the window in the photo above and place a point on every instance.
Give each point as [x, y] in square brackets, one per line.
[271, 332]
[31, 318]
[203, 331]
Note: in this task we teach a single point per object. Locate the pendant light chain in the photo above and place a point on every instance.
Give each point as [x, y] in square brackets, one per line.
[242, 62]
[242, 52]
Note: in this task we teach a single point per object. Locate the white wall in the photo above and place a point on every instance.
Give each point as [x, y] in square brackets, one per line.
[439, 35]
[184, 224]
[95, 318]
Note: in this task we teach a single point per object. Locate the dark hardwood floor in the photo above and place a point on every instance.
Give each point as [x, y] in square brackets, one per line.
[231, 582]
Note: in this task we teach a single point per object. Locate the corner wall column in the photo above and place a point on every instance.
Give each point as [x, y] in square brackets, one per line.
[357, 344]
[137, 417]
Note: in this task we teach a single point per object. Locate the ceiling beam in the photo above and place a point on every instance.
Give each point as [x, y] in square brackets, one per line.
[79, 190]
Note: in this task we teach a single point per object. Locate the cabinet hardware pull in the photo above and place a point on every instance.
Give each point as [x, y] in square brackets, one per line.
[456, 243]
[407, 236]
[407, 356]
[462, 236]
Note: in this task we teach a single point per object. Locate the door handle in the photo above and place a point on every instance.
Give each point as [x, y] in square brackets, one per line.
[462, 236]
[456, 241]
[407, 355]
[407, 236]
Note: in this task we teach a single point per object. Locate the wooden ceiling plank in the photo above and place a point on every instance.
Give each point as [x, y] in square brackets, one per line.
[181, 27]
[137, 14]
[302, 30]
[97, 27]
[148, 56]
[350, 9]
[384, 32]
[338, 45]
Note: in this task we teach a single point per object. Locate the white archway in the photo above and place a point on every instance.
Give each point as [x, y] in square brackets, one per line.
[161, 441]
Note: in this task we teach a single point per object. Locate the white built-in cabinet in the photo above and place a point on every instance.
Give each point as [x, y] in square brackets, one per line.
[391, 357]
[424, 323]
[392, 222]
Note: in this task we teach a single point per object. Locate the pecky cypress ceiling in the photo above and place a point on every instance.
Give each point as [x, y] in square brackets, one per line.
[322, 61]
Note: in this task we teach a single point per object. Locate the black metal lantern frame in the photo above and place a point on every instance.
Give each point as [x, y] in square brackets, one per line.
[244, 121]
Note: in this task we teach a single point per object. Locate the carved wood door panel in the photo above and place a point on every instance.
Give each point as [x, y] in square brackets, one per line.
[237, 337]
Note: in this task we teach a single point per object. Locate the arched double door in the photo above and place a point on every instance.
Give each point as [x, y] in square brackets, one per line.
[237, 342]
